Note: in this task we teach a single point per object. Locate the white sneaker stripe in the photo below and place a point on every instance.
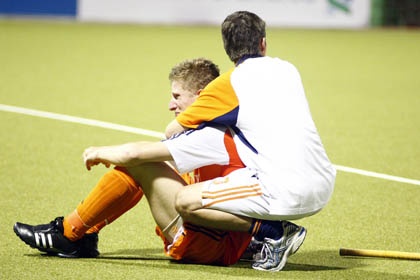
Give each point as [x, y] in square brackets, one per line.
[37, 239]
[43, 243]
[50, 242]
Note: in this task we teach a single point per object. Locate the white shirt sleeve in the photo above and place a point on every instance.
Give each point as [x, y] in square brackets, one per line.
[197, 148]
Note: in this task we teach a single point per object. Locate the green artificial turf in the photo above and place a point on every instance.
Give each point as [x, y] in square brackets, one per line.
[364, 92]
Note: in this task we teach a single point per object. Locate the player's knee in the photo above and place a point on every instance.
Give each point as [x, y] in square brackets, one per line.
[186, 202]
[181, 205]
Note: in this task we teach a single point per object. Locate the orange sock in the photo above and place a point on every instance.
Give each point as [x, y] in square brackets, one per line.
[127, 204]
[114, 195]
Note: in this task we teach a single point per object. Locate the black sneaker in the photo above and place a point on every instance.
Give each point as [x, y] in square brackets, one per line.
[49, 238]
[88, 247]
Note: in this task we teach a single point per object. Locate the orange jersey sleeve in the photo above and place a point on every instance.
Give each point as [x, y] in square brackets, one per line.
[217, 103]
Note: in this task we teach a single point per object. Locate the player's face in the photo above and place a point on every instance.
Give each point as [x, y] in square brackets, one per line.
[181, 98]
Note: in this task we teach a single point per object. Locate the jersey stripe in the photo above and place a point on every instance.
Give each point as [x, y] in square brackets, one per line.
[233, 190]
[231, 194]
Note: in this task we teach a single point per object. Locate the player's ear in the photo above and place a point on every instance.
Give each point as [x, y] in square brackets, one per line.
[198, 91]
[263, 46]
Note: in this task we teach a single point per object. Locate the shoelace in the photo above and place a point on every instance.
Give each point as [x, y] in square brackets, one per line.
[265, 253]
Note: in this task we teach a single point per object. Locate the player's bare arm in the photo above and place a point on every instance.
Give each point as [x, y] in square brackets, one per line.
[126, 155]
[173, 128]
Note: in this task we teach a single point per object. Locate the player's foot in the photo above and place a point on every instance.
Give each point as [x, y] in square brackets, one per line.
[252, 251]
[274, 253]
[49, 238]
[88, 247]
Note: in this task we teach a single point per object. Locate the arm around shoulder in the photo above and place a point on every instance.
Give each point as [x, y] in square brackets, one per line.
[173, 128]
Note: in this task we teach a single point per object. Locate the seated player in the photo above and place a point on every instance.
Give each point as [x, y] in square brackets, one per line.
[120, 189]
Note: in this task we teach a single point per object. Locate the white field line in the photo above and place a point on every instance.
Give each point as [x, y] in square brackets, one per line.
[108, 125]
[377, 175]
[91, 122]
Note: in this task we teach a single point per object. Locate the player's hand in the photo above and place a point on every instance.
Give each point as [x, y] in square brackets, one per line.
[91, 158]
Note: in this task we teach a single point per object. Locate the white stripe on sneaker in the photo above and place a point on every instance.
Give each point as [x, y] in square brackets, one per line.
[43, 240]
[50, 242]
[37, 239]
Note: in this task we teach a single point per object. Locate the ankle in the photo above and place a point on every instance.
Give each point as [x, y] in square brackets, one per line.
[73, 227]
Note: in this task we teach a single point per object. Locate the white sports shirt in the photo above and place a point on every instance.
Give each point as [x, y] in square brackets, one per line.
[263, 101]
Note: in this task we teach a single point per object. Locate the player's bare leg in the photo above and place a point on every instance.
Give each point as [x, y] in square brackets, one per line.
[189, 206]
[160, 184]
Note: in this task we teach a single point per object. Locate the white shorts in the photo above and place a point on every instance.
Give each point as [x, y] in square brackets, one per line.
[242, 193]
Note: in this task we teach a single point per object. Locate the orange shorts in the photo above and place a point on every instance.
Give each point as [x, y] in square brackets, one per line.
[206, 246]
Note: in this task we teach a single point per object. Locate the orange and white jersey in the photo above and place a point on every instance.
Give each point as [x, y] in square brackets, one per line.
[263, 101]
[201, 148]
